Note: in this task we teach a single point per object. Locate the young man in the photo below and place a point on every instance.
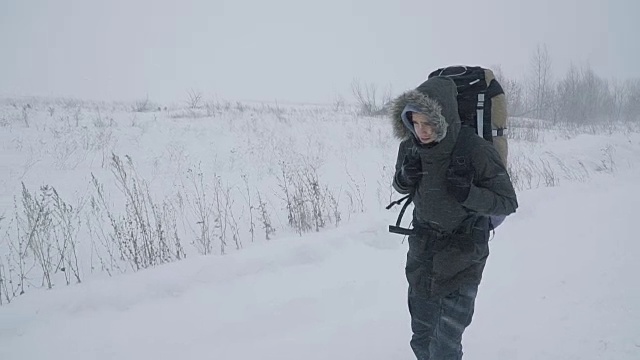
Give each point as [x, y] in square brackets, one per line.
[451, 219]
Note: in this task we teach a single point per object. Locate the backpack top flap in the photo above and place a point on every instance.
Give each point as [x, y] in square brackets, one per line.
[481, 101]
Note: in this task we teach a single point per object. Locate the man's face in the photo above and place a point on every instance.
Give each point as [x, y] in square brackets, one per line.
[424, 130]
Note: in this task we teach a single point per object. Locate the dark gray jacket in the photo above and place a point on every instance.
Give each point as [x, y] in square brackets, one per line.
[491, 193]
[450, 248]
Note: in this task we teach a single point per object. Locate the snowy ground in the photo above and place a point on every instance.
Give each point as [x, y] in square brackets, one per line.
[561, 282]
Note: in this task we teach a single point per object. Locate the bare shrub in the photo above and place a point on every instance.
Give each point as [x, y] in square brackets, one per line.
[548, 174]
[578, 173]
[385, 191]
[4, 279]
[619, 92]
[333, 203]
[201, 211]
[78, 116]
[523, 173]
[229, 217]
[144, 242]
[265, 218]
[584, 97]
[525, 131]
[247, 194]
[67, 222]
[25, 114]
[212, 108]
[607, 163]
[143, 236]
[278, 111]
[107, 242]
[36, 224]
[18, 262]
[194, 99]
[631, 102]
[540, 82]
[225, 221]
[309, 204]
[144, 105]
[370, 100]
[170, 229]
[43, 242]
[356, 194]
[212, 208]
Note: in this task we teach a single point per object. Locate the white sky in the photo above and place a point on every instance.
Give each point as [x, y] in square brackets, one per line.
[291, 50]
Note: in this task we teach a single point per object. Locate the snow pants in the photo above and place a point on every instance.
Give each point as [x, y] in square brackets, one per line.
[443, 273]
[438, 323]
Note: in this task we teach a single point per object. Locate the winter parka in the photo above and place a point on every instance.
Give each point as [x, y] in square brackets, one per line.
[450, 245]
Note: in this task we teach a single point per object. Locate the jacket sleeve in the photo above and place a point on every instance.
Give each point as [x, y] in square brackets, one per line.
[492, 192]
[402, 150]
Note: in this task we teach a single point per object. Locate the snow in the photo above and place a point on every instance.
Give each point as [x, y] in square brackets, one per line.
[560, 283]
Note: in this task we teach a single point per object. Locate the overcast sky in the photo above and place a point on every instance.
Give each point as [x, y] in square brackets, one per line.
[294, 50]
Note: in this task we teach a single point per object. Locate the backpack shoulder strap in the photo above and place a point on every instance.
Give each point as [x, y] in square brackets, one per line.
[397, 228]
[461, 154]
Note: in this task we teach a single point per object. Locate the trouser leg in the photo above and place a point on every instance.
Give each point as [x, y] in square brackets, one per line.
[438, 323]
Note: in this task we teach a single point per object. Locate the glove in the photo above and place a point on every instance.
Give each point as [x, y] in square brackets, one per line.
[411, 170]
[459, 184]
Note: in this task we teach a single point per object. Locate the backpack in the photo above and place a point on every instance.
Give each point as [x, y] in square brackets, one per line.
[481, 103]
[482, 106]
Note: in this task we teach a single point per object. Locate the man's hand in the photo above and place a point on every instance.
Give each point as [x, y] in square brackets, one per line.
[411, 170]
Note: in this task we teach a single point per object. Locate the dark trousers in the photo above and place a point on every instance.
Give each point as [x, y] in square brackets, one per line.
[438, 323]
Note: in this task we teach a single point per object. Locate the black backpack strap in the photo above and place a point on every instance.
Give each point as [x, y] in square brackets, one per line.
[398, 202]
[461, 154]
[397, 229]
[494, 89]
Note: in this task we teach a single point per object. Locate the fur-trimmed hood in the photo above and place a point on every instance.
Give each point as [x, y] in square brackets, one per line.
[435, 98]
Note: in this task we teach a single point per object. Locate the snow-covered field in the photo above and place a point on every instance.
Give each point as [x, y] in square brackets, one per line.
[561, 282]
